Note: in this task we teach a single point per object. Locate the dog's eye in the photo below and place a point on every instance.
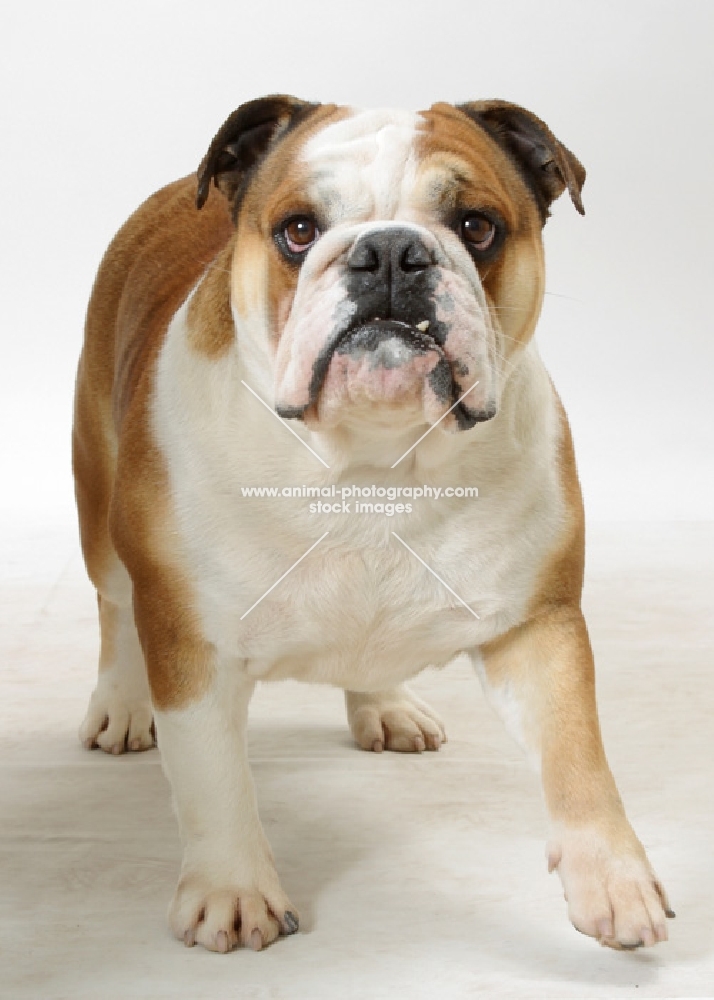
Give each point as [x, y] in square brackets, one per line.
[300, 233]
[478, 231]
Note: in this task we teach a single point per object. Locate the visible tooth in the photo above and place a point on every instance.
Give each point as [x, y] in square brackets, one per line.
[423, 326]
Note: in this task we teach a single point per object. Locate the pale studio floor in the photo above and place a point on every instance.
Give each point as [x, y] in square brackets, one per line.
[416, 876]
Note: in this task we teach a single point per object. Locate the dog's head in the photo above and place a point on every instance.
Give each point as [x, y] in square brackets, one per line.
[387, 261]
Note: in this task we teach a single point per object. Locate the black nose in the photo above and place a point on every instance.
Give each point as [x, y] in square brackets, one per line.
[391, 275]
[389, 253]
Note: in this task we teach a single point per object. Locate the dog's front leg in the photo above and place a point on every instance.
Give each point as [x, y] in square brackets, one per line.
[540, 675]
[229, 891]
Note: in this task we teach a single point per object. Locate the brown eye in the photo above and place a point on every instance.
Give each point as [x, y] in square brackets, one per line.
[300, 233]
[478, 231]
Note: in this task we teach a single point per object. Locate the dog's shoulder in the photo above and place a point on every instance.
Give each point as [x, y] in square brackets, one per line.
[148, 270]
[162, 252]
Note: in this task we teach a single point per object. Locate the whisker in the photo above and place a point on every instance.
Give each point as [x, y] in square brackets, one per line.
[506, 365]
[506, 336]
[559, 295]
[509, 308]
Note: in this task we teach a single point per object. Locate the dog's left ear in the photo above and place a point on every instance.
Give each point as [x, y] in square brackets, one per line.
[243, 139]
[546, 164]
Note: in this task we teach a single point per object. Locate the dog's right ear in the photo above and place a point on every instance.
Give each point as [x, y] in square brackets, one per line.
[244, 138]
[545, 163]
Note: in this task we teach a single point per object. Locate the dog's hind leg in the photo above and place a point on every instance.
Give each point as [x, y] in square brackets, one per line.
[394, 719]
[119, 715]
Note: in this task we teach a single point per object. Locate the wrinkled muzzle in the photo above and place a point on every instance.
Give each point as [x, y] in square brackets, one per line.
[386, 332]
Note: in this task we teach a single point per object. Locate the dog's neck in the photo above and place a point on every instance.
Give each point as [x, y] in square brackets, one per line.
[354, 447]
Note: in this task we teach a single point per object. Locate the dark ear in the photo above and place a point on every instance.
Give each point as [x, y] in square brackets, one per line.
[243, 139]
[546, 164]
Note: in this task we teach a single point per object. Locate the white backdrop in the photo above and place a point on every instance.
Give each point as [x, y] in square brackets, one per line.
[104, 102]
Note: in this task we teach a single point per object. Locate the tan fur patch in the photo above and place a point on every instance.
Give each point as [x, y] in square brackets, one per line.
[210, 319]
[548, 664]
[179, 661]
[462, 168]
[109, 626]
[122, 488]
[278, 190]
[560, 582]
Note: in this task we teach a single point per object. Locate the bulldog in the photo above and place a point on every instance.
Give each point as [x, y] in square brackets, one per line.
[353, 304]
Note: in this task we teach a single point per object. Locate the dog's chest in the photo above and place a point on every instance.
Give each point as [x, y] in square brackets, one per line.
[378, 597]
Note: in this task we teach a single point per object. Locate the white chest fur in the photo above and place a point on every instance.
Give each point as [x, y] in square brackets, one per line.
[359, 610]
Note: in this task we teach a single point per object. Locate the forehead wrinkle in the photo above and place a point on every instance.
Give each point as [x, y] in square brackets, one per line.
[447, 186]
[361, 166]
[448, 179]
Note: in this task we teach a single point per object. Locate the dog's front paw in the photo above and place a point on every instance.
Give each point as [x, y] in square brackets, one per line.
[612, 893]
[221, 917]
[393, 720]
[119, 715]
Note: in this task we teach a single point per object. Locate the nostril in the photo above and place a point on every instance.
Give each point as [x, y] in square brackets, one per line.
[364, 257]
[415, 257]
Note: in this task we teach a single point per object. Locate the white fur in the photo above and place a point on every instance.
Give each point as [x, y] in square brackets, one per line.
[509, 703]
[227, 862]
[119, 710]
[360, 611]
[364, 167]
[203, 755]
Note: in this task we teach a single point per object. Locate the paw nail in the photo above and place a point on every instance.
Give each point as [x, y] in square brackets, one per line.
[648, 938]
[378, 746]
[256, 940]
[135, 744]
[291, 922]
[189, 938]
[89, 743]
[117, 749]
[222, 942]
[419, 744]
[661, 932]
[670, 913]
